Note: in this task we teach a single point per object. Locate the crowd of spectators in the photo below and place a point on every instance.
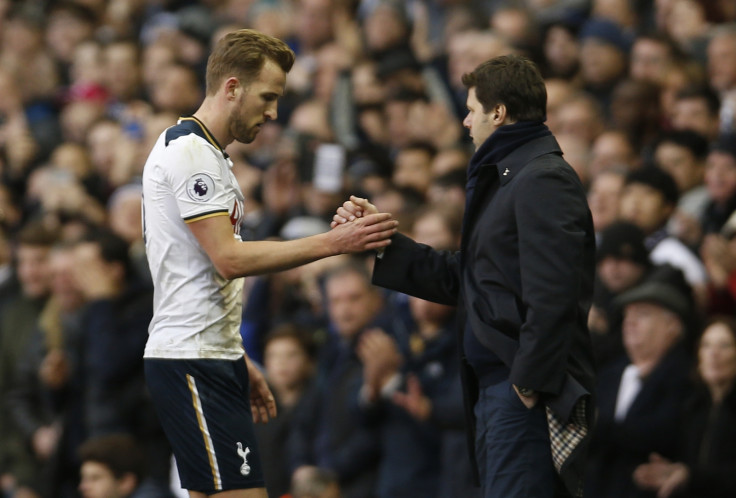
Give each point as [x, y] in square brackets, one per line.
[641, 97]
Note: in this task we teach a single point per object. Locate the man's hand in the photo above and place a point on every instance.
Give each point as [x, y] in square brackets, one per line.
[54, 370]
[413, 400]
[368, 232]
[381, 360]
[262, 402]
[661, 475]
[529, 401]
[352, 209]
[45, 440]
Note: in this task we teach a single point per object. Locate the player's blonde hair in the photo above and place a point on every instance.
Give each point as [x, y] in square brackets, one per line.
[242, 54]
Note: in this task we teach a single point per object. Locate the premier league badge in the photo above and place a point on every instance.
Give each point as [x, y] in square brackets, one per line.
[200, 187]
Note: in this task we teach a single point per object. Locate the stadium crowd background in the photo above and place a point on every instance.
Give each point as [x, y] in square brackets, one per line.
[641, 97]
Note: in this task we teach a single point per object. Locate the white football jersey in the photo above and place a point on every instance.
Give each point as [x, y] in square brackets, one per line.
[197, 312]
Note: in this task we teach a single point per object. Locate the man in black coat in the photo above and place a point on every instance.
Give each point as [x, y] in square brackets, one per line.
[523, 282]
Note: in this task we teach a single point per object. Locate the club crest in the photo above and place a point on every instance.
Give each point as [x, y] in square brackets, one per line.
[245, 468]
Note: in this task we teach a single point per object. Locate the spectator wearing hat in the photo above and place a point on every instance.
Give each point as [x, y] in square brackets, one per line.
[707, 453]
[622, 262]
[641, 394]
[648, 200]
[603, 57]
[681, 153]
[720, 181]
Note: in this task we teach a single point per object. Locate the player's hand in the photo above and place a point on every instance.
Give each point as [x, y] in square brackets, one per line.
[262, 402]
[356, 207]
[369, 232]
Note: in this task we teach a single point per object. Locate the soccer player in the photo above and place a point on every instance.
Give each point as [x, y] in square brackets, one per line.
[206, 390]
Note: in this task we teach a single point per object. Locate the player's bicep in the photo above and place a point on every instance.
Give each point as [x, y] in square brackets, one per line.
[215, 235]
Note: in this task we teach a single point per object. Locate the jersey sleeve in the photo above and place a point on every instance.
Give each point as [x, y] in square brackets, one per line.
[195, 176]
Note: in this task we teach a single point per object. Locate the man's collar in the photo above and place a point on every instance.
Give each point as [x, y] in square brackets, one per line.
[516, 160]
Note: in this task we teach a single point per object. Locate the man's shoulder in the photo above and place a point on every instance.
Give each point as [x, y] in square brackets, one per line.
[534, 149]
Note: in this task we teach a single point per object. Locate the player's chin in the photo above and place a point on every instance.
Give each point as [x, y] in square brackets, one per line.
[248, 136]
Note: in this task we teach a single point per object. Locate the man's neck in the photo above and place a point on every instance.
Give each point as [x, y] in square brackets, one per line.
[215, 119]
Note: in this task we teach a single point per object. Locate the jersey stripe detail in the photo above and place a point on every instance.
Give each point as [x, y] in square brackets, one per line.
[197, 403]
[209, 214]
[206, 132]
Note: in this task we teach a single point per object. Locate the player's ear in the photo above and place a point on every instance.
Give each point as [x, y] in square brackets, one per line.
[231, 86]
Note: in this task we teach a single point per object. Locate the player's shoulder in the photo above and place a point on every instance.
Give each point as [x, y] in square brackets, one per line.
[182, 134]
[186, 142]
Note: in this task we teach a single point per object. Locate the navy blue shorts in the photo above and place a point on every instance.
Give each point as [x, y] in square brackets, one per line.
[204, 409]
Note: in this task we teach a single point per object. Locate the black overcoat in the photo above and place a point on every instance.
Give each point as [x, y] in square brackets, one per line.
[523, 279]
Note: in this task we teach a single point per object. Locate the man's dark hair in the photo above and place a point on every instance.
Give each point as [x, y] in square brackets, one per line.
[113, 248]
[291, 331]
[37, 234]
[118, 452]
[703, 92]
[453, 178]
[427, 147]
[512, 80]
[693, 141]
[243, 53]
[657, 179]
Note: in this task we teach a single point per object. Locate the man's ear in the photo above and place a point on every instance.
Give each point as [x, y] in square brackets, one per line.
[127, 484]
[499, 114]
[232, 84]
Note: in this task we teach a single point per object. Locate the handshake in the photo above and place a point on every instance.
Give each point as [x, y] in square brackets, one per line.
[358, 226]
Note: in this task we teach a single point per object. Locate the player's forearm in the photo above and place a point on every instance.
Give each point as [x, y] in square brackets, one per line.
[267, 256]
